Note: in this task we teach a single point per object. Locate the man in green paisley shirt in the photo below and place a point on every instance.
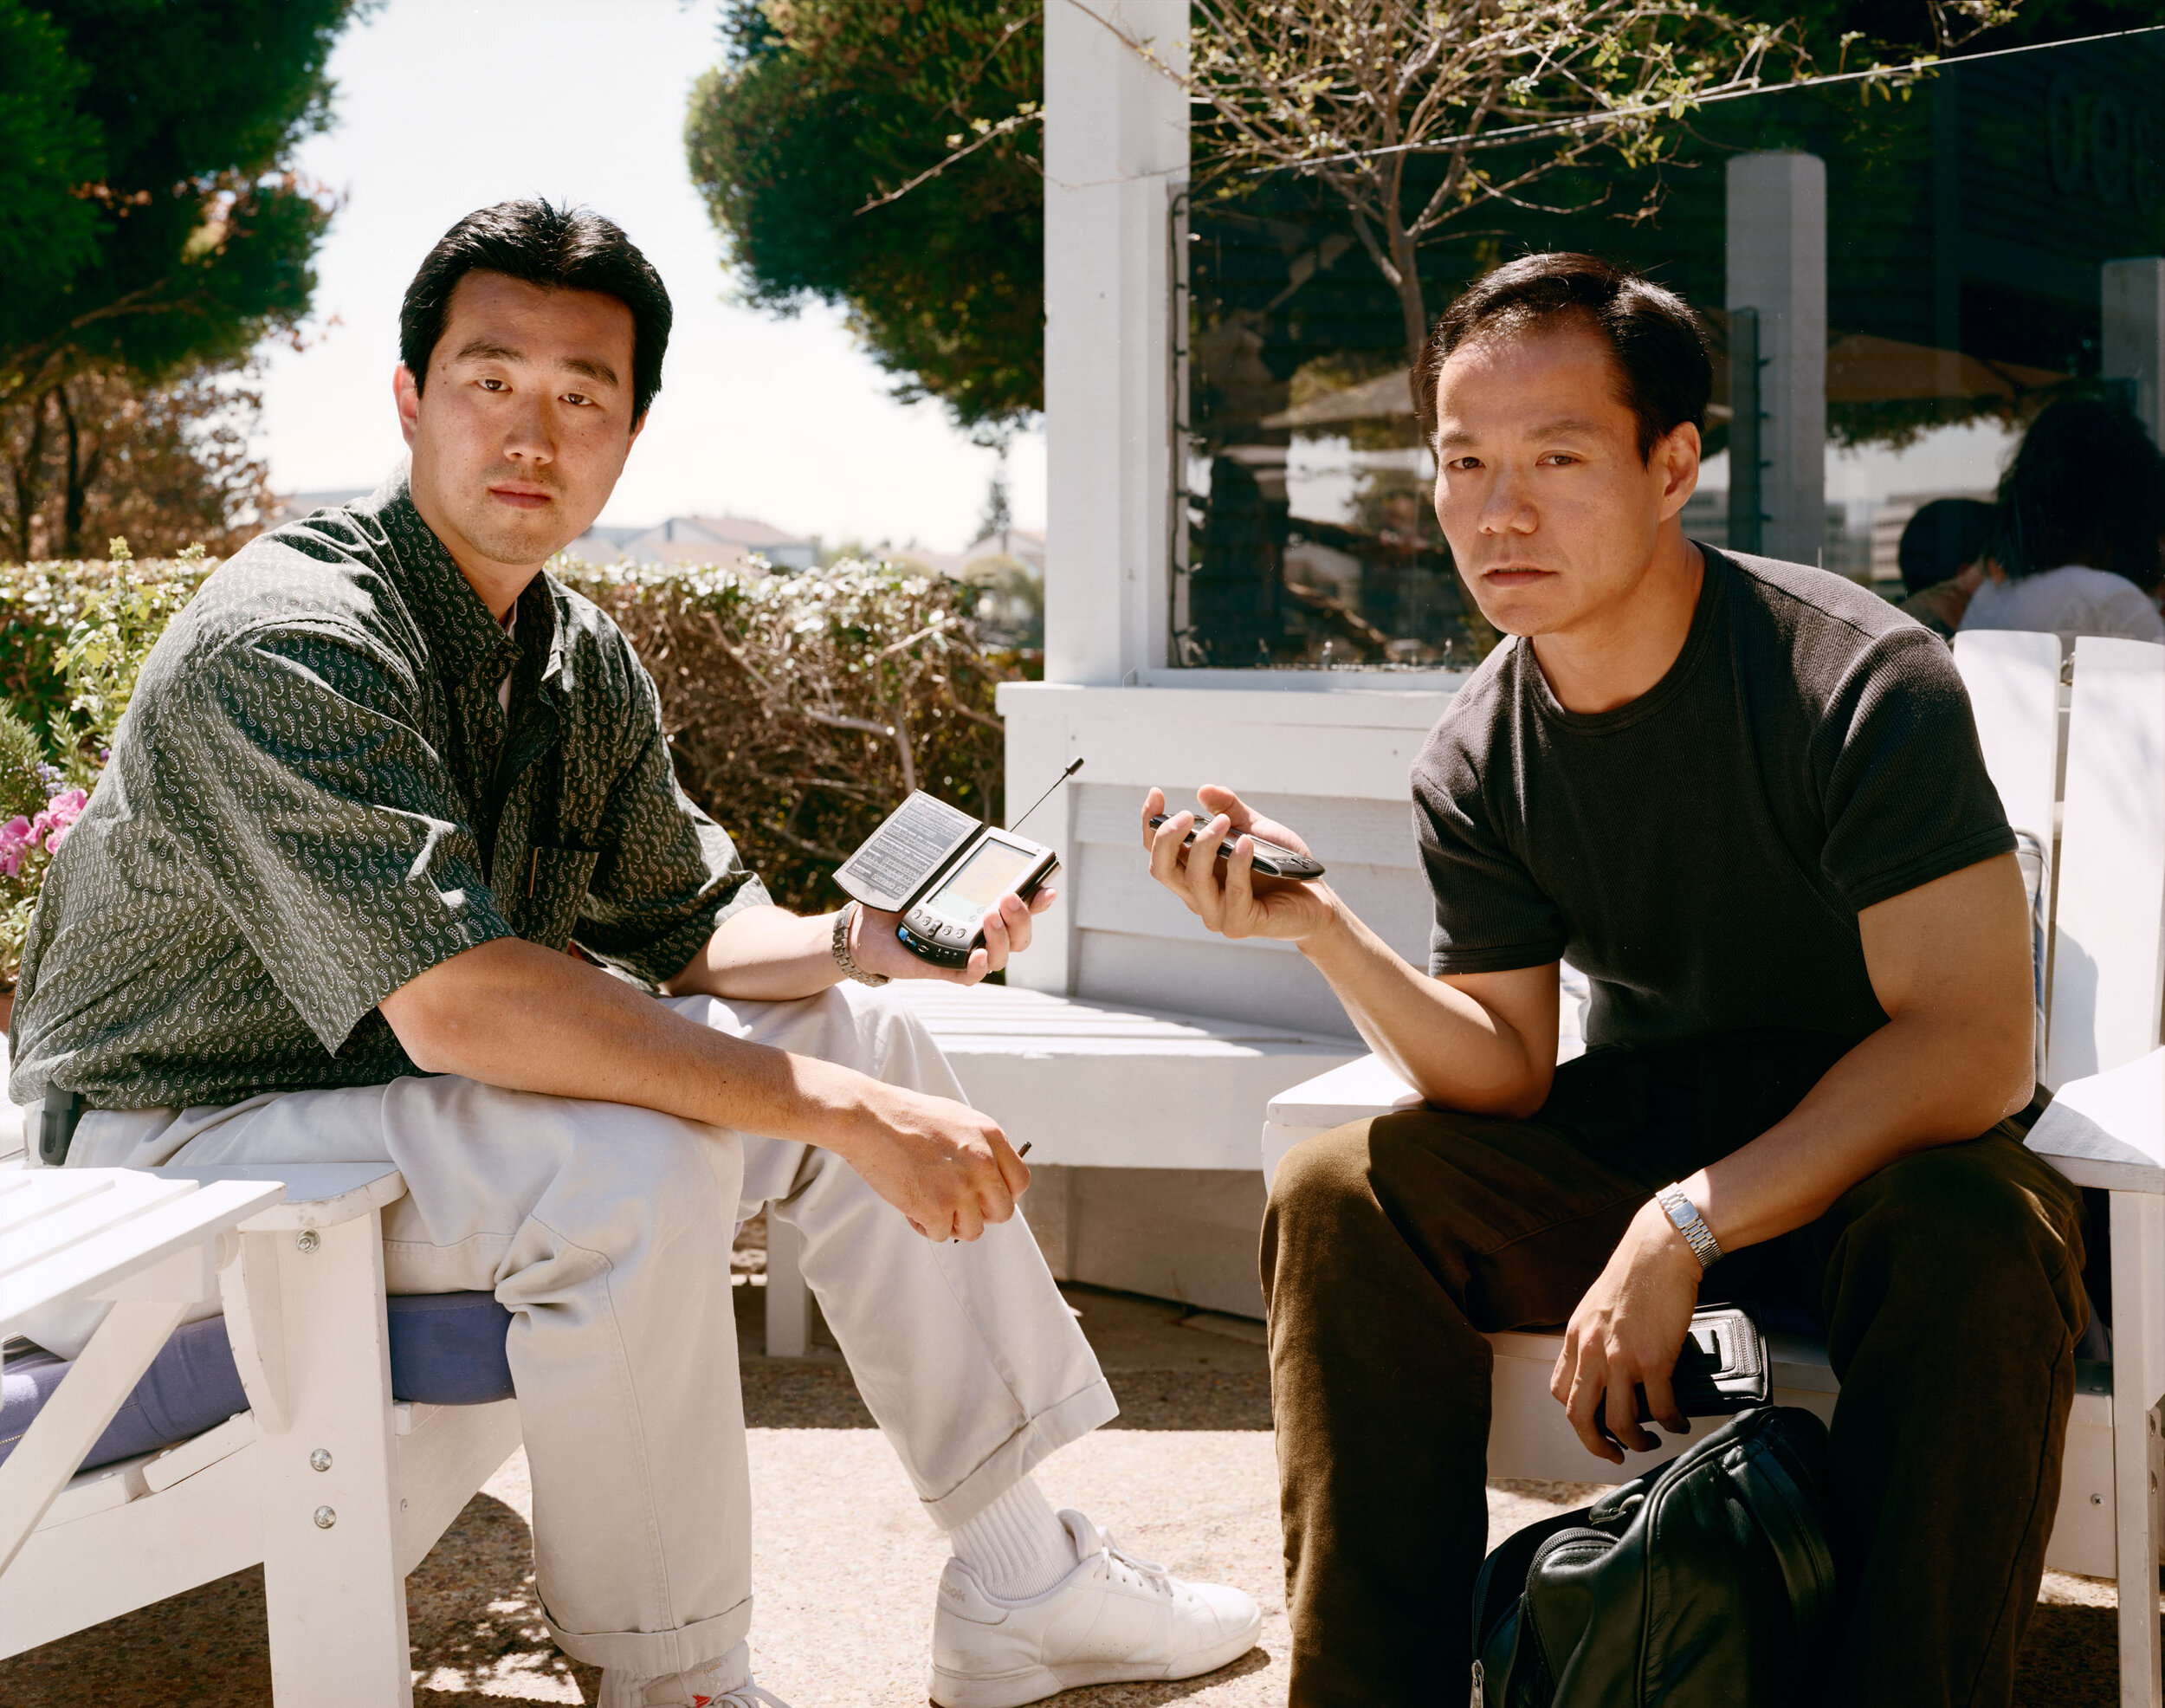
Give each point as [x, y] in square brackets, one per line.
[376, 779]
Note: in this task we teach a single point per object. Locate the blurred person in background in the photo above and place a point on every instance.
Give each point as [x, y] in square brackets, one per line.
[1942, 559]
[2075, 548]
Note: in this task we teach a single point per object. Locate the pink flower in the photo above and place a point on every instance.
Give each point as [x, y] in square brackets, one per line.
[58, 817]
[17, 839]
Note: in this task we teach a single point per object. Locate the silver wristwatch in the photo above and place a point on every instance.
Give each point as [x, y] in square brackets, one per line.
[843, 957]
[1690, 1224]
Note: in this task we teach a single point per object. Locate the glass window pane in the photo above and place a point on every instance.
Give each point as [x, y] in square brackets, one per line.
[1968, 218]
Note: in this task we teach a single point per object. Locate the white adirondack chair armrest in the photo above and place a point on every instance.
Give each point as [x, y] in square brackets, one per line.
[317, 1195]
[2108, 1129]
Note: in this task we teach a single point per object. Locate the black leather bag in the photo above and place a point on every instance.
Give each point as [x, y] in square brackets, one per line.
[1706, 1583]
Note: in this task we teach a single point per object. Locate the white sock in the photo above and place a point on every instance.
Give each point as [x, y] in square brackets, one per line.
[1017, 1546]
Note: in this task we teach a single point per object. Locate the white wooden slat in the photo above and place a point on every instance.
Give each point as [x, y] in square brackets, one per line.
[1339, 832]
[178, 1464]
[992, 1014]
[317, 1195]
[83, 1270]
[123, 1197]
[1116, 893]
[1292, 759]
[2138, 1378]
[2109, 1130]
[1360, 1089]
[2013, 683]
[445, 1454]
[88, 1563]
[333, 1597]
[2109, 927]
[1336, 712]
[1237, 980]
[77, 1413]
[89, 1491]
[28, 1193]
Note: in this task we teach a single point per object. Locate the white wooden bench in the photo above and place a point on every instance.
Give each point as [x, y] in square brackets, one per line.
[1089, 1084]
[334, 1488]
[2106, 1127]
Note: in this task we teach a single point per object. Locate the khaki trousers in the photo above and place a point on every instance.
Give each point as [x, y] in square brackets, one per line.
[1949, 1284]
[606, 1231]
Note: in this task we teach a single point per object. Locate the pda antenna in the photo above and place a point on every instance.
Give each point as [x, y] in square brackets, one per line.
[1047, 795]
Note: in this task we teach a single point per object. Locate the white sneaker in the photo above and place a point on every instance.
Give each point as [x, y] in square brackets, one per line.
[1113, 1617]
[707, 1687]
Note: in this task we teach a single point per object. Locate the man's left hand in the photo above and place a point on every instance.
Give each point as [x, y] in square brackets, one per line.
[873, 946]
[1626, 1335]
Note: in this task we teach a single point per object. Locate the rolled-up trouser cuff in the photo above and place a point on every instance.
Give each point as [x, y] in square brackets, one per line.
[655, 1655]
[1021, 1452]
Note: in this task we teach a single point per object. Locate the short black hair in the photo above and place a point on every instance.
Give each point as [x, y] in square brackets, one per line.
[2087, 486]
[559, 249]
[1941, 539]
[1658, 343]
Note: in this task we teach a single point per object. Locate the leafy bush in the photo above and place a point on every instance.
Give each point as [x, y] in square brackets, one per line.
[800, 708]
[73, 635]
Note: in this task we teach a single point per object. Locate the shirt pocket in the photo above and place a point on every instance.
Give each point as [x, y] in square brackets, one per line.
[557, 884]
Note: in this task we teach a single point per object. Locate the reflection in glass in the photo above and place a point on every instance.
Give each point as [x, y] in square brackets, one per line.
[1967, 226]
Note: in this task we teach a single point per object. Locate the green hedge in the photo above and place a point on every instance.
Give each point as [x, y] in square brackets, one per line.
[801, 708]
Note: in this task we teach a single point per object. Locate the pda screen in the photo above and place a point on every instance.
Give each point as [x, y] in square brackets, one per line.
[979, 882]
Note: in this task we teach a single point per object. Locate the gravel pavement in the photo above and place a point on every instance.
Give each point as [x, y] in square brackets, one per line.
[845, 1564]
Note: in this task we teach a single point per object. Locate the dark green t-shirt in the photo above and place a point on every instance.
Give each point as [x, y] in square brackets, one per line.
[1701, 854]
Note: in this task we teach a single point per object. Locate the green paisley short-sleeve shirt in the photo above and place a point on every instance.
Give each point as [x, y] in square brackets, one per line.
[318, 794]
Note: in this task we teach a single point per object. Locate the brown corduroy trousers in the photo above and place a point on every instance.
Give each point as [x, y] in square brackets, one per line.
[1949, 1285]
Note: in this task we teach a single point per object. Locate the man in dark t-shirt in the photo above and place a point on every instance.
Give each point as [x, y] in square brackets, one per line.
[1746, 798]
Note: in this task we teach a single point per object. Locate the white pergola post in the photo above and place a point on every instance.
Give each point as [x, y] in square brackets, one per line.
[1116, 144]
[1116, 149]
[2134, 294]
[1777, 265]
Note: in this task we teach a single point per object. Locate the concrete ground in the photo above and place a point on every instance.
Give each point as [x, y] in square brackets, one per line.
[846, 1565]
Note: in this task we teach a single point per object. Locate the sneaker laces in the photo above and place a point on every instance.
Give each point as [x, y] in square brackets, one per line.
[1133, 1569]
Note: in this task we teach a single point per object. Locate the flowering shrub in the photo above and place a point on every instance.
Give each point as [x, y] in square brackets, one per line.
[40, 806]
[801, 708]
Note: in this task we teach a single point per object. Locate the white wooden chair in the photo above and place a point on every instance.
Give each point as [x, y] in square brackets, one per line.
[2106, 1127]
[334, 1488]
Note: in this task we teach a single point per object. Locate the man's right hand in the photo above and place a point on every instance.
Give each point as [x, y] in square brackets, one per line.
[946, 1167]
[1227, 894]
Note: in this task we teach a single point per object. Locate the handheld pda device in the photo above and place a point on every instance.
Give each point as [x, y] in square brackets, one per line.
[941, 869]
[1271, 859]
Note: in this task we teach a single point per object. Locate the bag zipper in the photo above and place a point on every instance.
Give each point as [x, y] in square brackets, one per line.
[1480, 1695]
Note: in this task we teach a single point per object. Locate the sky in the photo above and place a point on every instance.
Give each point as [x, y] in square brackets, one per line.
[445, 106]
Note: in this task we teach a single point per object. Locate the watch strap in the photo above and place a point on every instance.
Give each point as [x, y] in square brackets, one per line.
[1690, 1223]
[843, 959]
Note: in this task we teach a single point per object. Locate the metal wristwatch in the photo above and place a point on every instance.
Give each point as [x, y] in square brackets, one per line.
[843, 959]
[1690, 1224]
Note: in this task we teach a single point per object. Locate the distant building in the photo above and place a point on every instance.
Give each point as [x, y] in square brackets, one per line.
[726, 541]
[1025, 545]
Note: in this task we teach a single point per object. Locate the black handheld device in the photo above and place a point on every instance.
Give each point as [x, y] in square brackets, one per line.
[1271, 859]
[941, 869]
[1723, 1367]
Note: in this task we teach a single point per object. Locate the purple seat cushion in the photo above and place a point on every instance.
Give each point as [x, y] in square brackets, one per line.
[446, 1350]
